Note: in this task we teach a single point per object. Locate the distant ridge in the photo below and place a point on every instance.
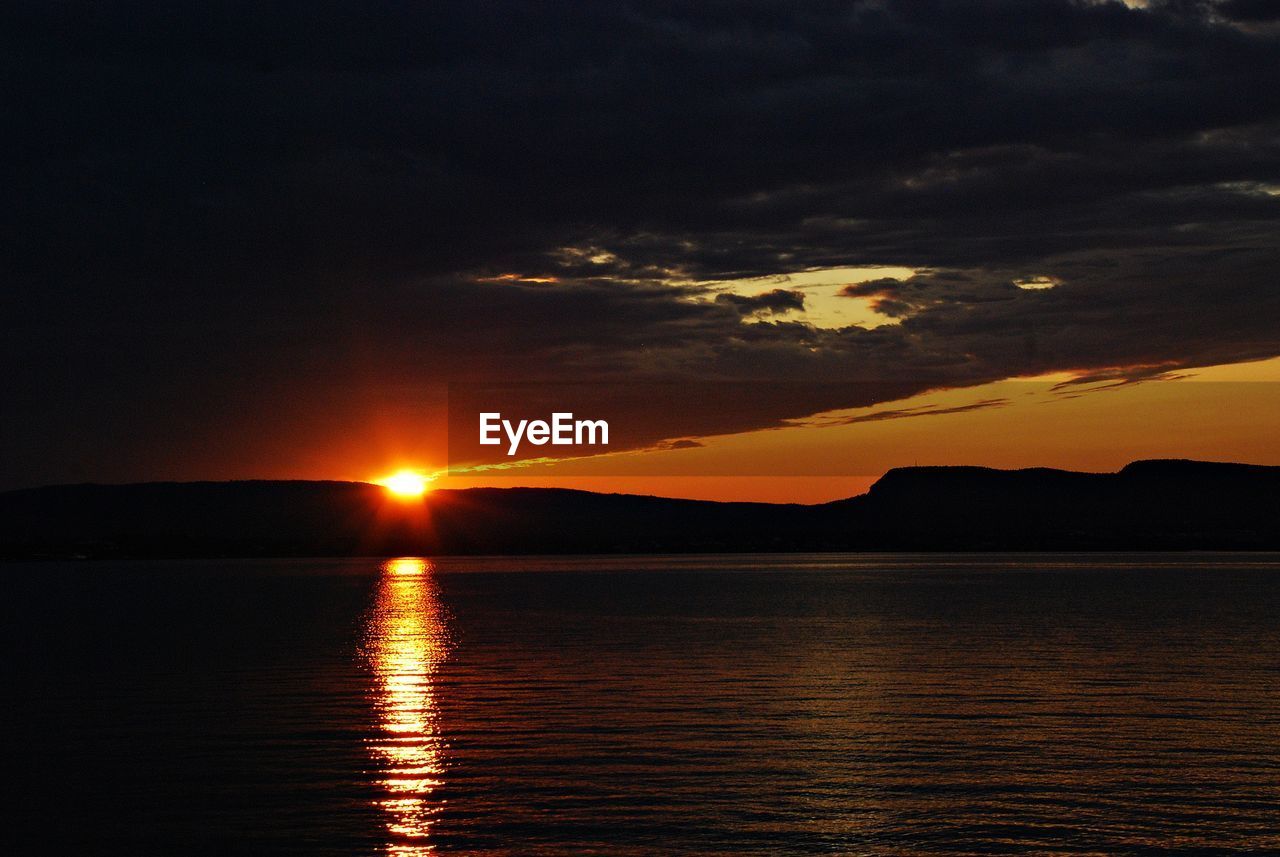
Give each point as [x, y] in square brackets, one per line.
[1147, 505]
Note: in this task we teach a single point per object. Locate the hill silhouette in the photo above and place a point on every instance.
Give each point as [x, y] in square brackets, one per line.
[1148, 505]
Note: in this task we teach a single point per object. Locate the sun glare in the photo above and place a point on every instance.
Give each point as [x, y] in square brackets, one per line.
[406, 483]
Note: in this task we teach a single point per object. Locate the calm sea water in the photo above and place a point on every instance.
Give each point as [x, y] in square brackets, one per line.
[711, 705]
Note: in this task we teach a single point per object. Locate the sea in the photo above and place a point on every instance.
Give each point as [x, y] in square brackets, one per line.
[851, 704]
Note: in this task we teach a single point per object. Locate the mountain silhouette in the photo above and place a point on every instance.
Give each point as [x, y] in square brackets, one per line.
[1148, 505]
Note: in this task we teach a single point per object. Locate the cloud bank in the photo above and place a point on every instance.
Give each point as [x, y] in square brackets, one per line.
[224, 212]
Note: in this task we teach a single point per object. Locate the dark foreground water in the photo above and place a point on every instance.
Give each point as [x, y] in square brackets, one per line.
[722, 705]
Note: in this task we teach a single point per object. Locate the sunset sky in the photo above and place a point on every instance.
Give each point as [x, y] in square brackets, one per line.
[844, 237]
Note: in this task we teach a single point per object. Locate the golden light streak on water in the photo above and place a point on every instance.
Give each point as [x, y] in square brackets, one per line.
[406, 642]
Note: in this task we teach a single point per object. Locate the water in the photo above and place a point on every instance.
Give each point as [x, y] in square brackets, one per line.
[710, 705]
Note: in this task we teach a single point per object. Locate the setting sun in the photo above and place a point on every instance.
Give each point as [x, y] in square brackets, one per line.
[406, 483]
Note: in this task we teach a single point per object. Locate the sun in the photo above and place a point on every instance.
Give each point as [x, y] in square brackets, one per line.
[406, 483]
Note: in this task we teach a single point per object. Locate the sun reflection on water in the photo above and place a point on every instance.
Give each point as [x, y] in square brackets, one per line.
[406, 643]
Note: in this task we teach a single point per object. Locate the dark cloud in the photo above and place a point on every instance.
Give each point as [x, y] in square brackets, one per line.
[1249, 10]
[938, 289]
[772, 302]
[223, 216]
[682, 443]
[901, 413]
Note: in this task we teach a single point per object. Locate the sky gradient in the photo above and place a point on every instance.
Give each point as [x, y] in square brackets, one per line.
[260, 242]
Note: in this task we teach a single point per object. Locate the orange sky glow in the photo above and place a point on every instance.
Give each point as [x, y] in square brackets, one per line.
[1218, 413]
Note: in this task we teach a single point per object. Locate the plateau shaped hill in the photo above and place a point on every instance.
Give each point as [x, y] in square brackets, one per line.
[1147, 505]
